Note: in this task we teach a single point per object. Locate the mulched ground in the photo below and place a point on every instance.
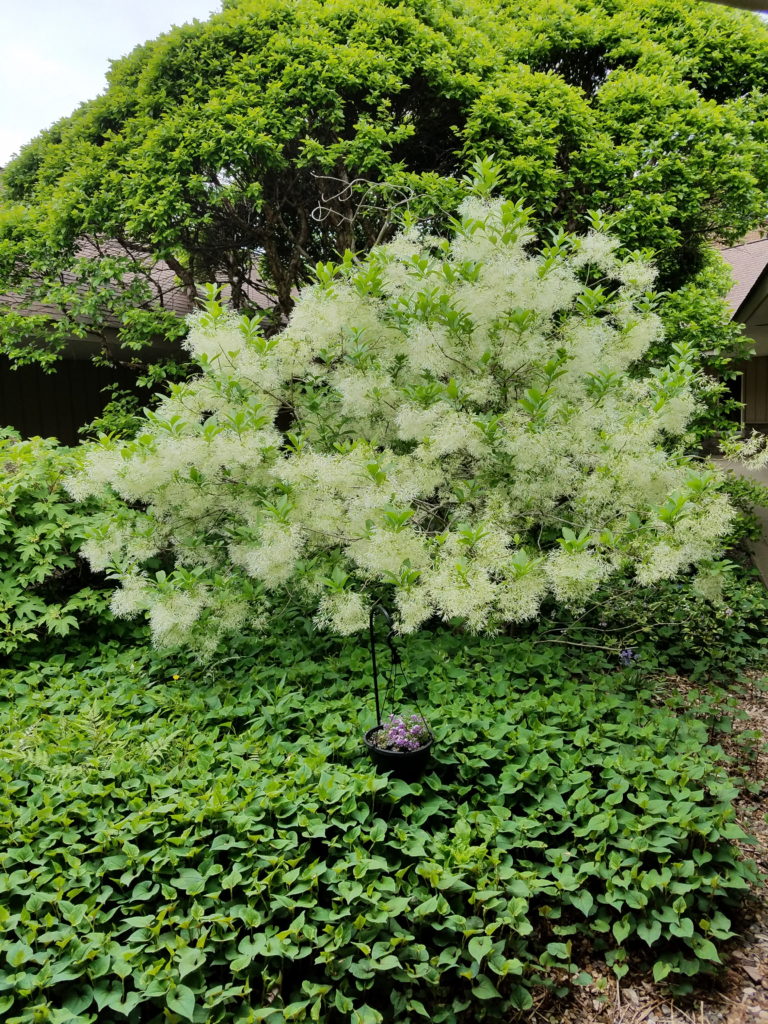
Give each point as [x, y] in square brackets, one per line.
[739, 995]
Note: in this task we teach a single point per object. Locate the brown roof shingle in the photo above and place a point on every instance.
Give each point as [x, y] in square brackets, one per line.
[168, 293]
[747, 261]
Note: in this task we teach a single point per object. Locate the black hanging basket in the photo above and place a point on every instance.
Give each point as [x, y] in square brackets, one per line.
[408, 765]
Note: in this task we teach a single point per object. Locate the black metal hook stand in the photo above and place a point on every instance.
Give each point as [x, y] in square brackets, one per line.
[406, 764]
[378, 609]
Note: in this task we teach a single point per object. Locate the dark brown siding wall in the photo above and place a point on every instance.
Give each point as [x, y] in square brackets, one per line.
[55, 404]
[755, 395]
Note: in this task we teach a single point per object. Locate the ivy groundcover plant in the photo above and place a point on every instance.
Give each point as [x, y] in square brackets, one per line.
[179, 846]
[451, 424]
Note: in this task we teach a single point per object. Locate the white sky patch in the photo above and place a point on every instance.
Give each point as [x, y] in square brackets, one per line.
[54, 54]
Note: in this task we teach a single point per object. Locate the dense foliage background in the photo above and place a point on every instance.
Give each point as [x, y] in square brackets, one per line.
[278, 133]
[46, 589]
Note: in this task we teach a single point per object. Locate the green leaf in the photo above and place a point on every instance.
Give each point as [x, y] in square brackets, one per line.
[110, 995]
[295, 1011]
[224, 841]
[190, 881]
[583, 901]
[418, 1007]
[429, 906]
[59, 1015]
[78, 1000]
[18, 953]
[559, 950]
[682, 928]
[189, 960]
[480, 946]
[366, 1015]
[705, 949]
[387, 963]
[661, 969]
[485, 989]
[181, 1000]
[342, 1003]
[127, 1003]
[649, 931]
[520, 997]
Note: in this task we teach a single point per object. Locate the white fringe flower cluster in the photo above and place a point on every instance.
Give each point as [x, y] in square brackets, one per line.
[449, 424]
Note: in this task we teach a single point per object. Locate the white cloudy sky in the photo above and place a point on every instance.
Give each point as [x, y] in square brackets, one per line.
[54, 54]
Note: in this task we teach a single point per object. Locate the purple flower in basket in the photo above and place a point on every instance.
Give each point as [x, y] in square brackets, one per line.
[402, 733]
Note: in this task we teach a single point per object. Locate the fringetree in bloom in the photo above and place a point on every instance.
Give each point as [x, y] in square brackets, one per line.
[451, 425]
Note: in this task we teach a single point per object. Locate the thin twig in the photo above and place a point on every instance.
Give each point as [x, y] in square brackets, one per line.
[573, 643]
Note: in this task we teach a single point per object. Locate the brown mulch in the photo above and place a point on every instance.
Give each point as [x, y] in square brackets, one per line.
[739, 994]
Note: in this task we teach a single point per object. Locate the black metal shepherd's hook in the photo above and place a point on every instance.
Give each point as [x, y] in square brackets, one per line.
[377, 609]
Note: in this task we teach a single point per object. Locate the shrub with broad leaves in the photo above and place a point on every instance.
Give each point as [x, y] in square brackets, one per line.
[45, 587]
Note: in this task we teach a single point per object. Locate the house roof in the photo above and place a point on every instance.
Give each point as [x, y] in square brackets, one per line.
[747, 261]
[167, 291]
